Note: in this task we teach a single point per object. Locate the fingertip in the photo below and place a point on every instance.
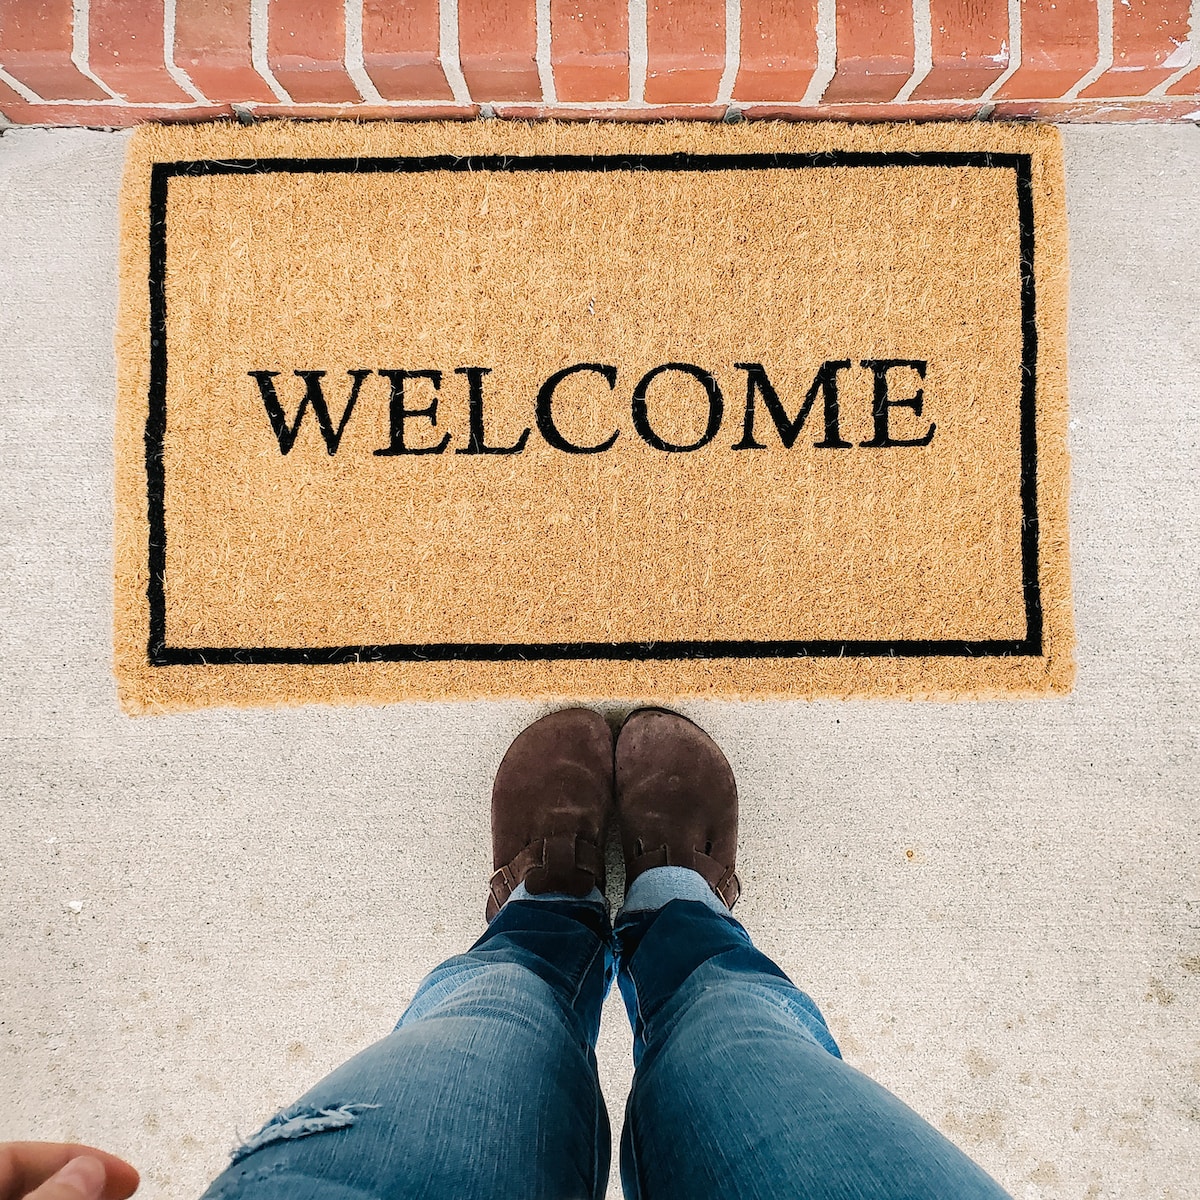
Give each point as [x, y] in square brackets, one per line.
[123, 1180]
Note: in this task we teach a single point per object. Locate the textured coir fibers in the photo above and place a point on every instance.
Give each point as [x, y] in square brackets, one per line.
[638, 412]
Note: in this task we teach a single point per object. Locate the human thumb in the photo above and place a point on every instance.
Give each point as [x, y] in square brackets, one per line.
[81, 1179]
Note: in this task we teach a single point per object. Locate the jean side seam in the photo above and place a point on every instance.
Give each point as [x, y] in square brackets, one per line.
[641, 1023]
[635, 1170]
[583, 975]
[599, 1125]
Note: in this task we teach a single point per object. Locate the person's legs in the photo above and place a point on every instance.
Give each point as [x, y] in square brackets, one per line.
[739, 1092]
[487, 1086]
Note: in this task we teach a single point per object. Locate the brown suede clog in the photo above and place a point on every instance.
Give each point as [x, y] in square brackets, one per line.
[676, 800]
[551, 807]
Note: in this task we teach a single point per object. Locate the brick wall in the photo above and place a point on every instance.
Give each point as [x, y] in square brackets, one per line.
[117, 62]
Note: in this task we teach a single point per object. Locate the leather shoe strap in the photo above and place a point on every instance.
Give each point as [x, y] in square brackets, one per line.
[722, 879]
[563, 856]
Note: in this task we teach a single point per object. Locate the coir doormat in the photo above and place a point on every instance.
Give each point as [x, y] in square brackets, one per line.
[446, 410]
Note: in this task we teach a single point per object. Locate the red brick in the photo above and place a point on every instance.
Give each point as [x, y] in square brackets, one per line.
[402, 50]
[941, 110]
[125, 51]
[497, 49]
[1145, 34]
[306, 50]
[685, 45]
[1095, 111]
[105, 116]
[11, 101]
[212, 45]
[368, 112]
[1060, 44]
[875, 51]
[589, 50]
[971, 48]
[666, 112]
[36, 39]
[778, 50]
[1189, 85]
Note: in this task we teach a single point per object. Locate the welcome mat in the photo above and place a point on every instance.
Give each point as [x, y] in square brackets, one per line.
[449, 410]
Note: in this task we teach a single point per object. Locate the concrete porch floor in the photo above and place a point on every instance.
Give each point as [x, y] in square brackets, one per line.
[262, 891]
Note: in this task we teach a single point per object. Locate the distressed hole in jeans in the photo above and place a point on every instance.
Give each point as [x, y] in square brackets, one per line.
[297, 1122]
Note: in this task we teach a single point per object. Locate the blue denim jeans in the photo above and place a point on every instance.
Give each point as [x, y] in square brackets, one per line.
[487, 1088]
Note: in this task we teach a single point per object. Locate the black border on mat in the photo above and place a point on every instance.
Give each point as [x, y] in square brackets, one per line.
[160, 654]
